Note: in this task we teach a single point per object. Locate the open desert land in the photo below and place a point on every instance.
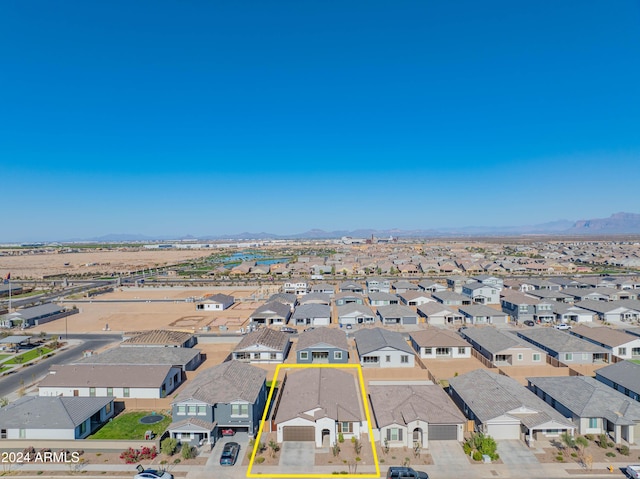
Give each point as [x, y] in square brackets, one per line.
[133, 309]
[37, 266]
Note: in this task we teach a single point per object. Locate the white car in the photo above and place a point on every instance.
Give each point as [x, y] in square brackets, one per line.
[563, 326]
[151, 473]
[634, 471]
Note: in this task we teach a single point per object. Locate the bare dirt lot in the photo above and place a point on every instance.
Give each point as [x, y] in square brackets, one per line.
[448, 368]
[132, 309]
[35, 266]
[520, 373]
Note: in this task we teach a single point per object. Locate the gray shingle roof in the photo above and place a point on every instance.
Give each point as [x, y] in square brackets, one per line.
[396, 311]
[330, 336]
[382, 297]
[624, 373]
[429, 309]
[449, 296]
[286, 298]
[37, 311]
[272, 309]
[401, 404]
[608, 336]
[490, 395]
[50, 412]
[267, 337]
[142, 355]
[106, 375]
[480, 310]
[320, 298]
[224, 383]
[368, 340]
[495, 341]
[354, 308]
[560, 341]
[312, 311]
[436, 337]
[587, 397]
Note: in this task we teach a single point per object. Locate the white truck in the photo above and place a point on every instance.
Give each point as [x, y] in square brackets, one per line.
[634, 471]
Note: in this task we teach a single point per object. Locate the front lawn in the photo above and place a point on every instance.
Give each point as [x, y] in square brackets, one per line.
[4, 356]
[637, 361]
[128, 426]
[29, 355]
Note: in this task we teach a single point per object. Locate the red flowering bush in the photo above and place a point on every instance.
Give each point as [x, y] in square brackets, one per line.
[132, 455]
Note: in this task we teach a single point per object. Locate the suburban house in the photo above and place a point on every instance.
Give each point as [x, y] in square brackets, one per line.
[397, 314]
[231, 395]
[416, 298]
[569, 313]
[450, 298]
[298, 288]
[481, 314]
[378, 285]
[403, 286]
[436, 343]
[383, 299]
[481, 293]
[35, 315]
[406, 414]
[348, 298]
[271, 314]
[431, 286]
[522, 307]
[289, 299]
[504, 409]
[312, 314]
[455, 283]
[594, 407]
[551, 295]
[503, 348]
[565, 347]
[58, 418]
[490, 280]
[265, 345]
[319, 404]
[322, 346]
[158, 338]
[323, 288]
[215, 302]
[621, 344]
[623, 376]
[613, 311]
[99, 380]
[381, 348]
[438, 314]
[315, 298]
[350, 287]
[185, 359]
[352, 314]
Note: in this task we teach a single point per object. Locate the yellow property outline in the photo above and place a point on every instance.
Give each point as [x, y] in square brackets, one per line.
[366, 412]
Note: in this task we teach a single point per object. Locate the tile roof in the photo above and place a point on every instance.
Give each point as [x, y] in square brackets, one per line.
[334, 392]
[436, 337]
[608, 336]
[330, 336]
[321, 298]
[401, 404]
[141, 355]
[224, 383]
[624, 373]
[106, 375]
[267, 337]
[272, 309]
[430, 309]
[50, 412]
[560, 341]
[158, 336]
[192, 421]
[369, 340]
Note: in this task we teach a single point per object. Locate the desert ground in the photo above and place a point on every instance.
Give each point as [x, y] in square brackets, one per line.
[36, 266]
[133, 309]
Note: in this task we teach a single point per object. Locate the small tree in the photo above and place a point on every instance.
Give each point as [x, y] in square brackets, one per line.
[169, 446]
[335, 449]
[603, 441]
[568, 442]
[581, 443]
[273, 445]
[340, 438]
[4, 401]
[385, 449]
[588, 462]
[357, 445]
[188, 451]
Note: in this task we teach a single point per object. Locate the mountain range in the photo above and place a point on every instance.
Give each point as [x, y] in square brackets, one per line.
[616, 224]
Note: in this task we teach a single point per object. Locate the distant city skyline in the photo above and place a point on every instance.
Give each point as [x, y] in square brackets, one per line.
[209, 118]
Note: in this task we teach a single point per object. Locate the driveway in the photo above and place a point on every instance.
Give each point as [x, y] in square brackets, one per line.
[213, 467]
[516, 452]
[300, 456]
[449, 461]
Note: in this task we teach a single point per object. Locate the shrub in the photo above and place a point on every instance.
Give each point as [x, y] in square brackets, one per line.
[559, 458]
[188, 452]
[169, 446]
[466, 447]
[574, 454]
[610, 444]
[259, 460]
[589, 437]
[340, 438]
[610, 454]
[624, 450]
[602, 441]
[477, 456]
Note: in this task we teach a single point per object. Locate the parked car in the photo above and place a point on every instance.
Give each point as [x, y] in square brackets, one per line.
[309, 329]
[562, 326]
[151, 473]
[229, 454]
[287, 329]
[228, 432]
[405, 473]
[529, 322]
[633, 471]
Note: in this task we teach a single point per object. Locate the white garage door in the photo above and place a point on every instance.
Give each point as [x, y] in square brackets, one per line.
[504, 431]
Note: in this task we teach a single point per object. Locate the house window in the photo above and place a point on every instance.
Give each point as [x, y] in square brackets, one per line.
[536, 357]
[92, 392]
[109, 391]
[388, 358]
[337, 355]
[568, 356]
[182, 410]
[191, 410]
[345, 427]
[462, 350]
[370, 359]
[404, 359]
[304, 355]
[22, 434]
[83, 428]
[428, 350]
[593, 422]
[273, 356]
[125, 392]
[241, 410]
[394, 434]
[520, 356]
[622, 351]
[202, 410]
[3, 433]
[442, 351]
[107, 408]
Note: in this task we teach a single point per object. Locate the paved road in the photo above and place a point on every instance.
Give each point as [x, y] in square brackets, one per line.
[12, 382]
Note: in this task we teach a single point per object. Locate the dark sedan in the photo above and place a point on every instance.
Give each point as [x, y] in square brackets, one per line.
[528, 322]
[229, 454]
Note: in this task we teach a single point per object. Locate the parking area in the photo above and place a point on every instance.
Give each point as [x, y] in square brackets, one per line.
[298, 455]
[516, 453]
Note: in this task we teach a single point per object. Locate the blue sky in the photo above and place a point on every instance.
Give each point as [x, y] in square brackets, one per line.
[212, 117]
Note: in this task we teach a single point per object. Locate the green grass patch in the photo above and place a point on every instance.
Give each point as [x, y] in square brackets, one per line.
[269, 383]
[4, 368]
[28, 356]
[4, 356]
[637, 361]
[128, 426]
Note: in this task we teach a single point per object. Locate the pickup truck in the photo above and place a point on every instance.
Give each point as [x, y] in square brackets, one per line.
[405, 473]
[633, 471]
